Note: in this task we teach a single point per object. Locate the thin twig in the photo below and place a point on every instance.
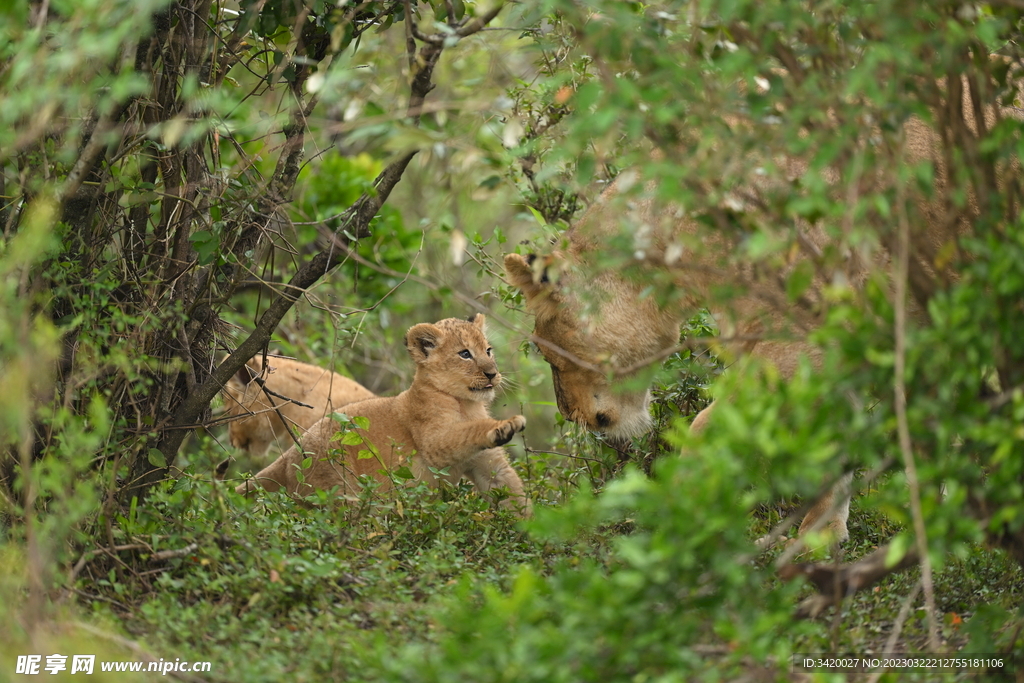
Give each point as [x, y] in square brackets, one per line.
[87, 556]
[997, 402]
[165, 555]
[270, 392]
[564, 455]
[101, 598]
[902, 427]
[270, 399]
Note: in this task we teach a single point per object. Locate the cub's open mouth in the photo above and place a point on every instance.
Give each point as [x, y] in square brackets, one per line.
[486, 388]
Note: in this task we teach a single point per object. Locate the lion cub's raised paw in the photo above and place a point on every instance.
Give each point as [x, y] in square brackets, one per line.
[506, 429]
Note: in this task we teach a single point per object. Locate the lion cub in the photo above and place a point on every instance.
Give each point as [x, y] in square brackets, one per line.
[323, 389]
[439, 423]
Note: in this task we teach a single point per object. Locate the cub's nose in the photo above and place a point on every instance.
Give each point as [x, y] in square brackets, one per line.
[490, 375]
[603, 420]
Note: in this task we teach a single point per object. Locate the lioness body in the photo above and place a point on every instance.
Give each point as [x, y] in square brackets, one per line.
[439, 427]
[322, 390]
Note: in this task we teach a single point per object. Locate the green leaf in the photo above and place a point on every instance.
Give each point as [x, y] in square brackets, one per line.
[361, 421]
[538, 216]
[206, 245]
[157, 458]
[15, 11]
[350, 439]
[587, 95]
[799, 280]
[897, 549]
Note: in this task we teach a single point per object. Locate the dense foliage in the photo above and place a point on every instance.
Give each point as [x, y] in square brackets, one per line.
[186, 183]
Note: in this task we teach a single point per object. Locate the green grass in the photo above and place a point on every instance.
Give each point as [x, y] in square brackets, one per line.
[275, 591]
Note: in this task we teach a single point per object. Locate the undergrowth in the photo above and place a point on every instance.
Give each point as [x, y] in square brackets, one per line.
[270, 589]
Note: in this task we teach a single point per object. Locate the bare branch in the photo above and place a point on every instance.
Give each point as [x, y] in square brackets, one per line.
[835, 582]
[164, 555]
[477, 23]
[1000, 400]
[90, 154]
[270, 392]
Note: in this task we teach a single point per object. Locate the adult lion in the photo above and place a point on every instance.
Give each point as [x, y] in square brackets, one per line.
[596, 317]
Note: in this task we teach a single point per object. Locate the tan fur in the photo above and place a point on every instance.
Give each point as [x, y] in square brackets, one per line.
[324, 390]
[604, 320]
[441, 422]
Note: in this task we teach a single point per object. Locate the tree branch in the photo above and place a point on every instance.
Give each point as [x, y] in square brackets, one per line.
[835, 582]
[355, 224]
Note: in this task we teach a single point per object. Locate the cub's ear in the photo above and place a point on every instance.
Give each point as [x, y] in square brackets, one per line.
[421, 339]
[478, 319]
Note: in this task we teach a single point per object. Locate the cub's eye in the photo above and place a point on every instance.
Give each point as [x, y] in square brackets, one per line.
[489, 350]
[465, 354]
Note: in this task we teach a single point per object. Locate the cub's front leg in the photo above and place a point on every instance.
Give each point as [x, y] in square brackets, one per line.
[505, 430]
[453, 445]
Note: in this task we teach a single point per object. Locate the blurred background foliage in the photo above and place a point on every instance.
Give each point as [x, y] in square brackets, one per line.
[181, 180]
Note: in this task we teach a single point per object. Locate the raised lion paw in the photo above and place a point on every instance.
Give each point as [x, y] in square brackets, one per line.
[506, 429]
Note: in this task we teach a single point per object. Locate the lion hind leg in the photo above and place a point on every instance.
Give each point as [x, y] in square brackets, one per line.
[831, 511]
[491, 470]
[700, 422]
[282, 472]
[271, 478]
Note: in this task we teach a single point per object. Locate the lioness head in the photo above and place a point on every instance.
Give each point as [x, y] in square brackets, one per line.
[454, 357]
[624, 329]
